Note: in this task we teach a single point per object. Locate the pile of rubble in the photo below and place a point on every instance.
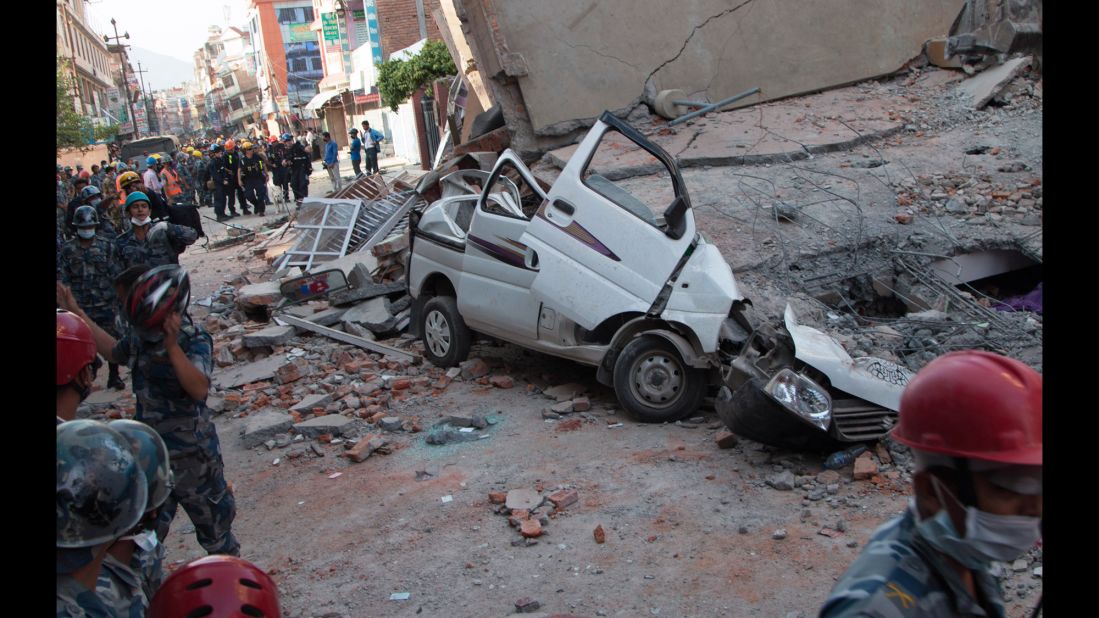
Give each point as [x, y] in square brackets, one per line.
[529, 510]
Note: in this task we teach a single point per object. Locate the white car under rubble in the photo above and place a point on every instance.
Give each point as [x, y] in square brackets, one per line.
[588, 271]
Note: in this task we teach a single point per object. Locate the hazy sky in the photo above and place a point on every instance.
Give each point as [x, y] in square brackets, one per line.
[173, 28]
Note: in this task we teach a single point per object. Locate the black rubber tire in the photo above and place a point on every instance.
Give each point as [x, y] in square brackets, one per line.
[751, 414]
[460, 337]
[688, 396]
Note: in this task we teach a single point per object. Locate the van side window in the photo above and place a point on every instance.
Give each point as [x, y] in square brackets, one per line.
[646, 197]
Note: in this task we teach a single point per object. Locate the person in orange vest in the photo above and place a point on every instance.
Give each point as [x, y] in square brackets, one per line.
[173, 186]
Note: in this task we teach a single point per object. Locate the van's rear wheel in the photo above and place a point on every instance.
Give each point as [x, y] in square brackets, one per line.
[654, 384]
[445, 336]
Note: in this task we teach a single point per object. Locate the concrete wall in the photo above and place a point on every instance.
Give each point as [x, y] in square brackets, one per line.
[573, 59]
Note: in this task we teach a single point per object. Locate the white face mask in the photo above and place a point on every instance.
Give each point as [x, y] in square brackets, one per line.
[988, 537]
[86, 232]
[146, 540]
[140, 222]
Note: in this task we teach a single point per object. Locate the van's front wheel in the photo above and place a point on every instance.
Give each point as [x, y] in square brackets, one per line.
[654, 384]
[446, 338]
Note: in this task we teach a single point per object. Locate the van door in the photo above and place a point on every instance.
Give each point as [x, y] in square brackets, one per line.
[494, 294]
[607, 246]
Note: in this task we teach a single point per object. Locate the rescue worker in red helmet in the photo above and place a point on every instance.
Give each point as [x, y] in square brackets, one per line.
[216, 586]
[76, 364]
[171, 360]
[974, 423]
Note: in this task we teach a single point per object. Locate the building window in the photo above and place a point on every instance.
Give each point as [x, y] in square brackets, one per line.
[296, 15]
[227, 81]
[235, 103]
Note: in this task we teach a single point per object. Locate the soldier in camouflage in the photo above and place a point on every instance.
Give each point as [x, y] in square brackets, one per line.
[170, 358]
[132, 570]
[101, 494]
[149, 244]
[88, 264]
[974, 423]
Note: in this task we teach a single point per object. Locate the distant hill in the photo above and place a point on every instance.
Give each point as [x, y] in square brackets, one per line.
[163, 71]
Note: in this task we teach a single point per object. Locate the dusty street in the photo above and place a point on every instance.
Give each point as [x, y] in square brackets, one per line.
[691, 529]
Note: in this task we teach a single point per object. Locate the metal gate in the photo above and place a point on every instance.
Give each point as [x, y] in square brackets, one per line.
[427, 108]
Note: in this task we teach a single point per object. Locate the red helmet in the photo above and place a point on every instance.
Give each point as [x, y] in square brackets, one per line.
[157, 294]
[218, 587]
[75, 346]
[976, 405]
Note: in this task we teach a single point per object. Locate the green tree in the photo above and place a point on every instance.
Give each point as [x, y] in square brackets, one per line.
[399, 79]
[73, 129]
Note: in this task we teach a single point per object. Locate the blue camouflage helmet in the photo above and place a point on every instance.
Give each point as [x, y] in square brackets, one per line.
[89, 191]
[152, 458]
[85, 216]
[101, 490]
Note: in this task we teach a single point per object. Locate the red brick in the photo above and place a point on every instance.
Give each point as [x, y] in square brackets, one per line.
[570, 425]
[564, 498]
[865, 467]
[530, 528]
[325, 437]
[599, 534]
[725, 439]
[361, 451]
[581, 404]
[261, 400]
[497, 497]
[401, 384]
[500, 381]
[903, 218]
[290, 372]
[296, 416]
[377, 416]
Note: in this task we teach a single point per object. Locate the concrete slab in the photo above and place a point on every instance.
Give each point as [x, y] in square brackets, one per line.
[780, 131]
[259, 428]
[367, 291]
[272, 335]
[574, 60]
[982, 88]
[371, 315]
[246, 374]
[332, 424]
[258, 295]
[312, 401]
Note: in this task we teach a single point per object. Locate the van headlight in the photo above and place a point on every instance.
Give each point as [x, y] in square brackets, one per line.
[801, 396]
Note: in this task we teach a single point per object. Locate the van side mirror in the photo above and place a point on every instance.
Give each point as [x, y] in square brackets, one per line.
[675, 216]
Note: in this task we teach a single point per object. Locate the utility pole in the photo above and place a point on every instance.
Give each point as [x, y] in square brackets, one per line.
[122, 63]
[144, 97]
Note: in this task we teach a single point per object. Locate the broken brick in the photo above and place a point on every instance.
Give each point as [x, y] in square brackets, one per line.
[401, 384]
[882, 453]
[500, 381]
[360, 452]
[903, 218]
[325, 437]
[599, 534]
[581, 404]
[530, 528]
[725, 439]
[564, 498]
[290, 372]
[570, 425]
[865, 467]
[296, 416]
[497, 497]
[473, 368]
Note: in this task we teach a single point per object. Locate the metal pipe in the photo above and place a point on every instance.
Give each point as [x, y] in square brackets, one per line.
[711, 107]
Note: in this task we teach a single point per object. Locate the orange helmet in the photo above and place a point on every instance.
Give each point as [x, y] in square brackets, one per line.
[230, 145]
[974, 405]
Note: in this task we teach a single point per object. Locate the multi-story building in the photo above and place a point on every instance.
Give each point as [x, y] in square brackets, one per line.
[226, 76]
[89, 61]
[287, 58]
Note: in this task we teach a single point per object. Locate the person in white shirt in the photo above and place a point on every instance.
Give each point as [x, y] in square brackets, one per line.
[151, 176]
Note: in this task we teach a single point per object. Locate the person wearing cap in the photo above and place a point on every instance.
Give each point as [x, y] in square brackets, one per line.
[147, 243]
[356, 151]
[973, 420]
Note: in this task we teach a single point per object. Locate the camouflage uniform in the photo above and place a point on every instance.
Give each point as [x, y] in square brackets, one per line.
[129, 588]
[899, 574]
[76, 601]
[90, 272]
[132, 251]
[189, 434]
